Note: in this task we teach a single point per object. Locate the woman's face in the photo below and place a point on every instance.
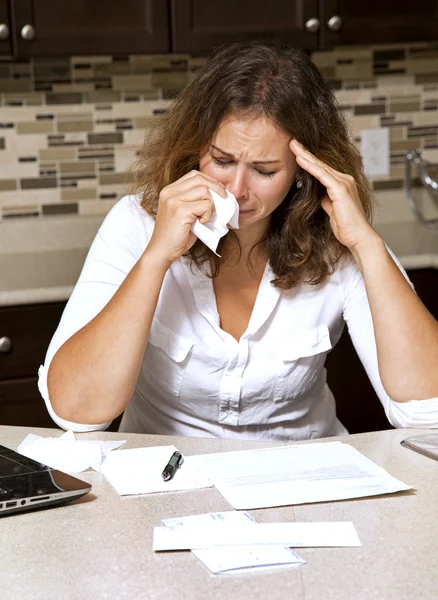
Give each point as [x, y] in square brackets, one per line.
[252, 159]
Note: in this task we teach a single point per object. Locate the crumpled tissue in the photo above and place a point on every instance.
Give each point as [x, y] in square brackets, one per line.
[66, 453]
[227, 211]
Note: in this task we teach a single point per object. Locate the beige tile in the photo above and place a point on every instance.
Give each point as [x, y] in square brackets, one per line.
[96, 207]
[171, 79]
[397, 133]
[13, 210]
[359, 122]
[35, 127]
[355, 71]
[78, 194]
[74, 116]
[352, 97]
[400, 145]
[426, 118]
[132, 83]
[391, 205]
[143, 122]
[57, 154]
[66, 126]
[403, 83]
[77, 167]
[124, 158]
[431, 155]
[123, 110]
[324, 59]
[33, 196]
[112, 178]
[134, 137]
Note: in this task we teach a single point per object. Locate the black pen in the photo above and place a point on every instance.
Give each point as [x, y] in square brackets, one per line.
[175, 462]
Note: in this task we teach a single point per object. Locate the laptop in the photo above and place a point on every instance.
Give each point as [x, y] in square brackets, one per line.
[26, 484]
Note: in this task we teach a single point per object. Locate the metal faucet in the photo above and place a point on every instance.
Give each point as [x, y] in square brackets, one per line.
[413, 157]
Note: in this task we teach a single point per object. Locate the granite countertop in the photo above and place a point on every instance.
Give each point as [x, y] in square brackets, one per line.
[40, 260]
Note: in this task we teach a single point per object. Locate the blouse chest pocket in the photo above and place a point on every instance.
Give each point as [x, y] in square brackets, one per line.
[166, 358]
[301, 359]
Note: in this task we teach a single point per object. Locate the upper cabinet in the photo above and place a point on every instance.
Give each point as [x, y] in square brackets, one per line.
[66, 27]
[62, 27]
[5, 28]
[199, 25]
[378, 21]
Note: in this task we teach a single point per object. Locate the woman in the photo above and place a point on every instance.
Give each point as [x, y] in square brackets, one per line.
[189, 343]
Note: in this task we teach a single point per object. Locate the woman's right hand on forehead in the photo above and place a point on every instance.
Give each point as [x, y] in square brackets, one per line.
[179, 205]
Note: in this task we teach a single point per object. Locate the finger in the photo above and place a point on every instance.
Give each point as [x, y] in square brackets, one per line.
[199, 179]
[299, 150]
[318, 171]
[327, 205]
[198, 209]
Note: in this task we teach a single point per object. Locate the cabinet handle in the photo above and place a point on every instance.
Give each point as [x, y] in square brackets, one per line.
[4, 31]
[312, 25]
[5, 345]
[334, 23]
[28, 33]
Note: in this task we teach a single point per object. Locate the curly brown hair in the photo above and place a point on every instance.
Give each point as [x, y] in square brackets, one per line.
[254, 79]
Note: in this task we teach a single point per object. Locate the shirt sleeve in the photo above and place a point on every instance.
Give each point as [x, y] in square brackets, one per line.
[357, 314]
[119, 243]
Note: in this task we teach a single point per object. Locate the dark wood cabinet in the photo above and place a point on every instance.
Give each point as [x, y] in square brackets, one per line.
[357, 404]
[375, 22]
[5, 29]
[200, 25]
[50, 27]
[29, 329]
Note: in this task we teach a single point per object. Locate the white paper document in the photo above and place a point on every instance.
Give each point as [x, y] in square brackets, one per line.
[138, 471]
[296, 535]
[221, 559]
[295, 474]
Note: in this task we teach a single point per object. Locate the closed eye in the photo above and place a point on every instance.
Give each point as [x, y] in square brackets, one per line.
[225, 163]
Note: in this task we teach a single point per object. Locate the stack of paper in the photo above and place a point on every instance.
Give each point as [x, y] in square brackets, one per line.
[235, 558]
[296, 474]
[230, 541]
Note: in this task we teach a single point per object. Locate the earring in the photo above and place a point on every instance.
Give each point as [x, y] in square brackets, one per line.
[299, 183]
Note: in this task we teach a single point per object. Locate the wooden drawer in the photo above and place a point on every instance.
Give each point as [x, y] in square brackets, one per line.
[30, 328]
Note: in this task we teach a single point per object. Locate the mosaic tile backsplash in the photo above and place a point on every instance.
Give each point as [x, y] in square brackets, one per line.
[70, 127]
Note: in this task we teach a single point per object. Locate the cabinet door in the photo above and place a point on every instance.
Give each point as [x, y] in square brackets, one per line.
[375, 21]
[5, 29]
[90, 27]
[29, 329]
[200, 25]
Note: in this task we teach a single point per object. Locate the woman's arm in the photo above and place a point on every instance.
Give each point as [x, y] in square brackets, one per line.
[406, 334]
[92, 376]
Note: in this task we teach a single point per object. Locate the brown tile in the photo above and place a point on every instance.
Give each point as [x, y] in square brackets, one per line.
[412, 106]
[38, 182]
[105, 138]
[8, 185]
[369, 109]
[60, 209]
[2, 143]
[400, 146]
[77, 167]
[426, 78]
[65, 126]
[388, 185]
[35, 127]
[15, 85]
[170, 79]
[78, 194]
[70, 98]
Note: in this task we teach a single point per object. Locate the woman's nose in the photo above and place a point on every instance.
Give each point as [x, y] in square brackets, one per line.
[237, 184]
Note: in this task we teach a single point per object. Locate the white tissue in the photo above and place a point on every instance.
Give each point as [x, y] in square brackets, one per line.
[227, 211]
[65, 453]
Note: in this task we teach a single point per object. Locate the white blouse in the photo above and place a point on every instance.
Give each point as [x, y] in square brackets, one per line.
[197, 380]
